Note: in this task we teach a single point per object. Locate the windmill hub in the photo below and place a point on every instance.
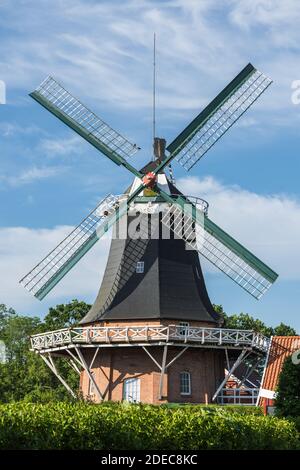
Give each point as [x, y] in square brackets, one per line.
[150, 179]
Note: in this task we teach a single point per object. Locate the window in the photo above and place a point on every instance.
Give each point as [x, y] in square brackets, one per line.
[92, 386]
[140, 267]
[131, 390]
[185, 383]
[183, 327]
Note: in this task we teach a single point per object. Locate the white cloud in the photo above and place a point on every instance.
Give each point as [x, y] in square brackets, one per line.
[31, 175]
[279, 18]
[268, 225]
[104, 50]
[62, 147]
[11, 129]
[22, 248]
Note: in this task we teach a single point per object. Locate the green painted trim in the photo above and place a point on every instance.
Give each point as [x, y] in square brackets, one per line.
[79, 130]
[187, 134]
[240, 250]
[40, 294]
[145, 199]
[226, 239]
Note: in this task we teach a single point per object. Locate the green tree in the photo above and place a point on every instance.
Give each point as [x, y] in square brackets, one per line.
[15, 332]
[5, 313]
[284, 330]
[24, 375]
[65, 315]
[244, 321]
[288, 390]
[219, 309]
[22, 370]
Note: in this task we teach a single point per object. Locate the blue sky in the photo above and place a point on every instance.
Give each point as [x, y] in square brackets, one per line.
[102, 52]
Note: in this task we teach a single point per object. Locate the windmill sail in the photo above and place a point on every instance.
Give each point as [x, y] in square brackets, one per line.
[220, 249]
[215, 120]
[198, 137]
[43, 277]
[78, 117]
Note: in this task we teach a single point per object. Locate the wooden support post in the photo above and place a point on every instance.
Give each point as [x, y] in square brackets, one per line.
[242, 356]
[177, 356]
[52, 367]
[227, 359]
[74, 357]
[74, 366]
[162, 373]
[249, 372]
[94, 357]
[150, 355]
[86, 368]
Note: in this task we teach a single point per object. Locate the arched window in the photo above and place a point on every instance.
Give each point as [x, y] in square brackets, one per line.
[185, 383]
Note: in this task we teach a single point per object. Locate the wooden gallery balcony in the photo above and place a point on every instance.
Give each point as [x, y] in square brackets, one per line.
[175, 335]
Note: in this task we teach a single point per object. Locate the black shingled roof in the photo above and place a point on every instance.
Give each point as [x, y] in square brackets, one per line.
[171, 287]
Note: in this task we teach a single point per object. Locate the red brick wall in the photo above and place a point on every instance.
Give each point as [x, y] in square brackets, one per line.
[113, 365]
[207, 371]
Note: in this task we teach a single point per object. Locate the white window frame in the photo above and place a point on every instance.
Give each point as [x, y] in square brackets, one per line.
[183, 326]
[92, 390]
[134, 385]
[140, 267]
[186, 377]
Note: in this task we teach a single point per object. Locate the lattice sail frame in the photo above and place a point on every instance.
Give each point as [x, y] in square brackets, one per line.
[188, 147]
[54, 96]
[201, 238]
[213, 123]
[45, 275]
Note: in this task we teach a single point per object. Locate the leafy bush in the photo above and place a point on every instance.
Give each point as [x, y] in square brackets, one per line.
[240, 409]
[297, 422]
[123, 426]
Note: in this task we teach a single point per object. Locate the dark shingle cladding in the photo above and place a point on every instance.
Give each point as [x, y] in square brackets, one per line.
[171, 287]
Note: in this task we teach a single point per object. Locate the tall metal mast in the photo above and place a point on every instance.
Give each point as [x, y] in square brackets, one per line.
[154, 95]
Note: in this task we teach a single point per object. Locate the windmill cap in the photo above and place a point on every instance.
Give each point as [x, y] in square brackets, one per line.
[159, 146]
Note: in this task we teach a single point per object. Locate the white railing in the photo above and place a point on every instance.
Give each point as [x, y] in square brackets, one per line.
[238, 396]
[217, 337]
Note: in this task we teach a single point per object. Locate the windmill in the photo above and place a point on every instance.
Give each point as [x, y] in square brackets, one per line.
[185, 217]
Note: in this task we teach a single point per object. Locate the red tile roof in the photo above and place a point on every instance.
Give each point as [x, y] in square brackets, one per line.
[280, 348]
